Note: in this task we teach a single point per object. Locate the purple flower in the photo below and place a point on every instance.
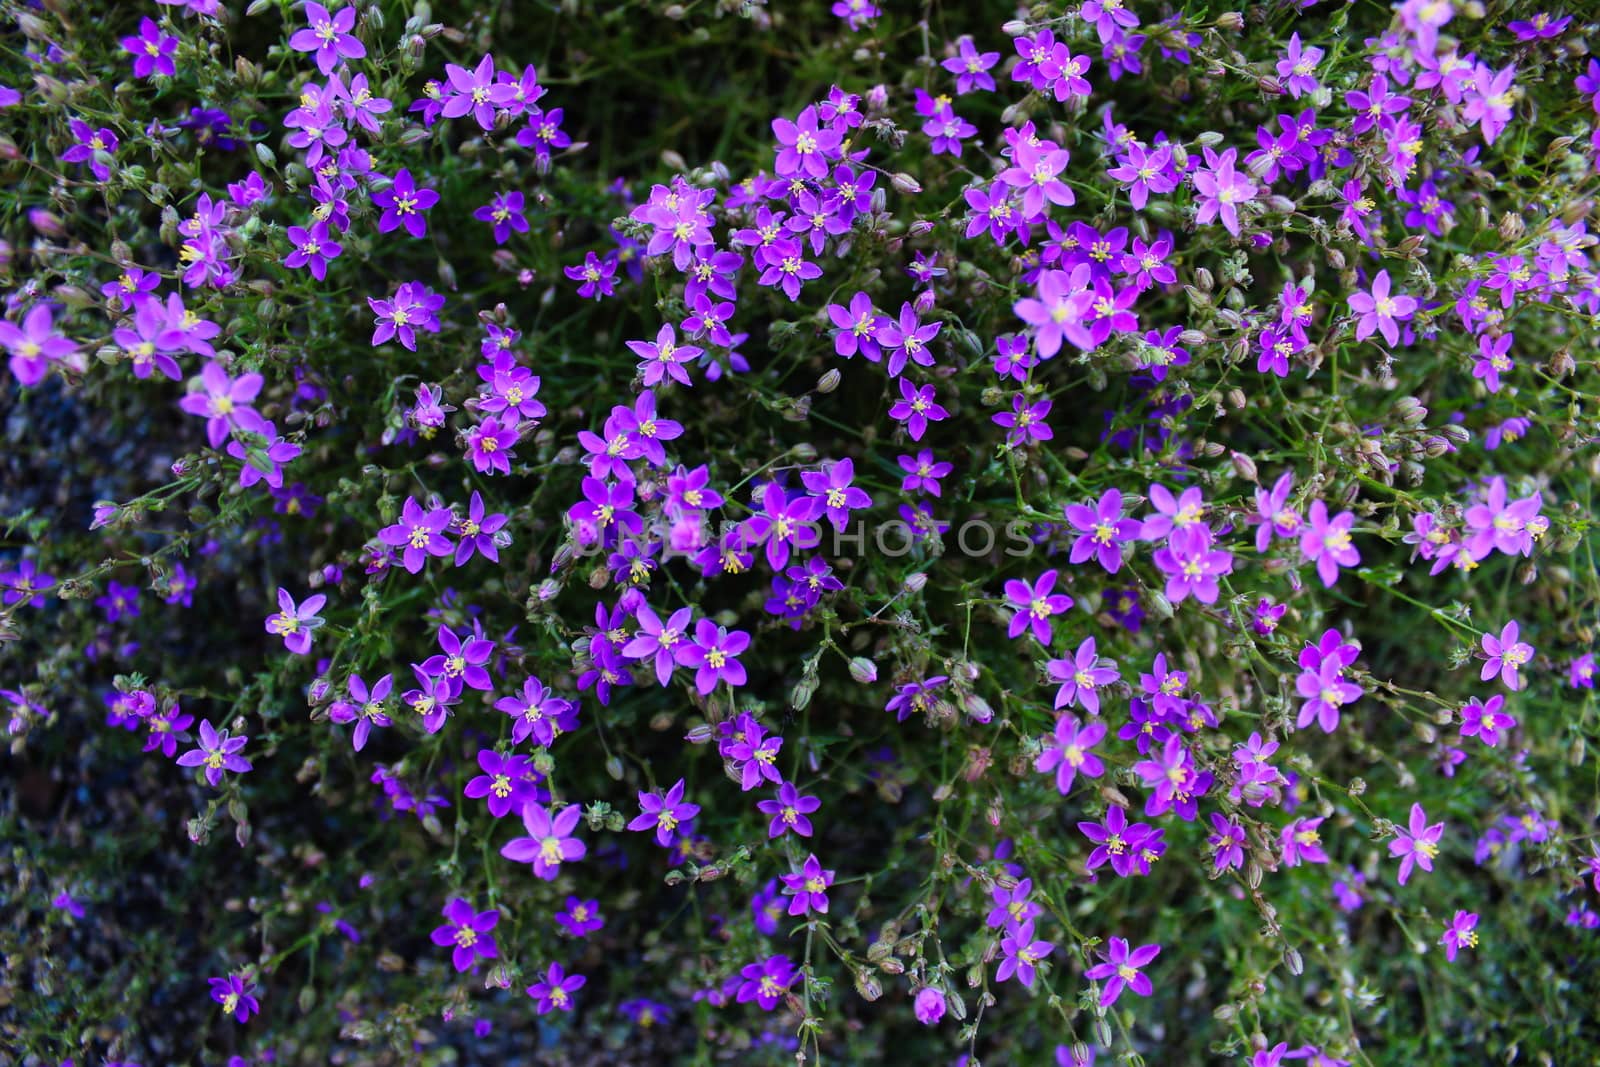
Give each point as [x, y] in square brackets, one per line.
[296, 624]
[664, 814]
[468, 931]
[403, 204]
[413, 307]
[1122, 970]
[664, 358]
[1012, 907]
[766, 982]
[119, 602]
[928, 1006]
[808, 888]
[596, 276]
[580, 918]
[217, 752]
[471, 91]
[1102, 530]
[1297, 68]
[1192, 566]
[25, 585]
[1485, 720]
[366, 708]
[1025, 423]
[1022, 954]
[554, 991]
[477, 532]
[507, 782]
[713, 656]
[490, 443]
[917, 406]
[1066, 751]
[549, 843]
[538, 713]
[922, 473]
[91, 145]
[433, 698]
[1506, 656]
[668, 643]
[1058, 310]
[913, 697]
[234, 992]
[151, 50]
[312, 249]
[329, 37]
[1418, 847]
[831, 485]
[1035, 605]
[784, 523]
[971, 69]
[504, 213]
[224, 402]
[789, 811]
[1227, 841]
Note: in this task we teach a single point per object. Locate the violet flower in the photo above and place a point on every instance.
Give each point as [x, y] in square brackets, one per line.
[468, 931]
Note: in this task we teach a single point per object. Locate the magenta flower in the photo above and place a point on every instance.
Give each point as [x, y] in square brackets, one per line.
[554, 991]
[91, 145]
[1326, 691]
[419, 533]
[1227, 840]
[224, 402]
[1418, 847]
[1506, 656]
[1122, 969]
[1493, 360]
[1035, 605]
[25, 585]
[1012, 907]
[151, 50]
[928, 1006]
[664, 814]
[217, 752]
[1192, 566]
[471, 92]
[1221, 190]
[1297, 68]
[766, 982]
[549, 843]
[1379, 311]
[1022, 954]
[1300, 843]
[403, 204]
[1066, 752]
[329, 37]
[34, 344]
[1488, 99]
[296, 624]
[906, 339]
[468, 931]
[235, 993]
[1057, 310]
[714, 656]
[789, 811]
[1102, 529]
[1081, 677]
[808, 888]
[433, 698]
[784, 523]
[595, 276]
[1459, 934]
[923, 473]
[489, 445]
[1326, 542]
[1035, 169]
[414, 307]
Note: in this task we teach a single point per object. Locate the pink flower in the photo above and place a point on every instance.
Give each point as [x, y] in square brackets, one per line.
[1419, 846]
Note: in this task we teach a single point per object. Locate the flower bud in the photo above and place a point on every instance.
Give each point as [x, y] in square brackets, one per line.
[1244, 466]
[829, 381]
[905, 184]
[863, 670]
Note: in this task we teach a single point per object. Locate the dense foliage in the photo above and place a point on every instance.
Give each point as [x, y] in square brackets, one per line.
[721, 532]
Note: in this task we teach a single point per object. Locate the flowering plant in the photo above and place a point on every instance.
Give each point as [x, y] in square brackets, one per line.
[850, 533]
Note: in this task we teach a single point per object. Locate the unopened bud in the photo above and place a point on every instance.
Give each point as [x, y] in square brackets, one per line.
[863, 670]
[829, 381]
[905, 184]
